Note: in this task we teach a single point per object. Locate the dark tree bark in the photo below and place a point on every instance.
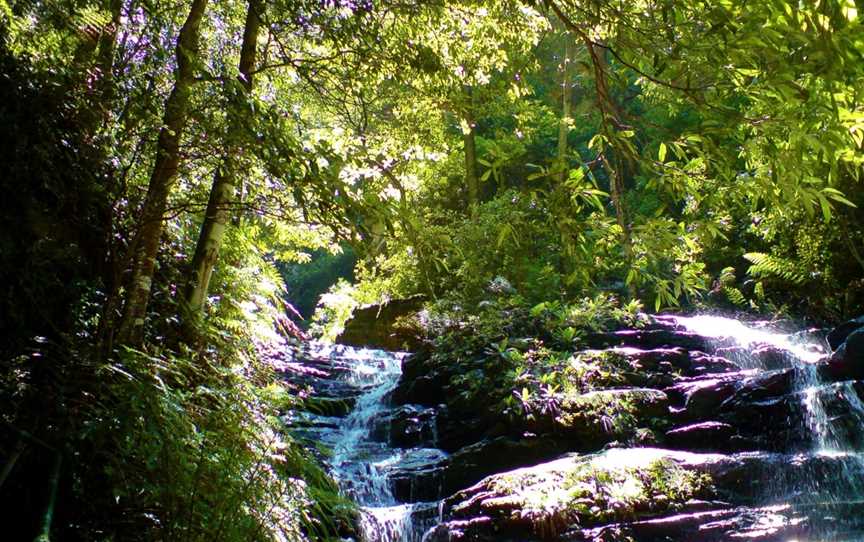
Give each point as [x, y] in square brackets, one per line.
[162, 178]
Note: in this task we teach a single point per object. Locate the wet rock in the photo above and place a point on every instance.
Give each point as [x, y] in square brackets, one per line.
[767, 524]
[769, 424]
[394, 325]
[838, 335]
[474, 462]
[760, 356]
[704, 436]
[847, 363]
[764, 385]
[705, 364]
[418, 475]
[702, 396]
[852, 349]
[411, 426]
[649, 339]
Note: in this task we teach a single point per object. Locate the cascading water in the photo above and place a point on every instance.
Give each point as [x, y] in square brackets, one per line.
[362, 458]
[805, 476]
[828, 479]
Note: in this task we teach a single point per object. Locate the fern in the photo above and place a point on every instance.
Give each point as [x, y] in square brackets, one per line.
[734, 296]
[770, 266]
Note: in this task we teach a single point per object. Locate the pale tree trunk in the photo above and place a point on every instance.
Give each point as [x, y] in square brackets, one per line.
[566, 98]
[162, 178]
[470, 145]
[217, 215]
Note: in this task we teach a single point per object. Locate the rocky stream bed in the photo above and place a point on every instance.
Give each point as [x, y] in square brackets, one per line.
[733, 432]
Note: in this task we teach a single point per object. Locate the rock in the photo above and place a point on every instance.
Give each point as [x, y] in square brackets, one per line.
[418, 475]
[654, 359]
[472, 463]
[704, 364]
[458, 429]
[394, 325]
[838, 335]
[546, 500]
[422, 381]
[847, 363]
[704, 436]
[764, 385]
[852, 349]
[766, 524]
[329, 406]
[411, 426]
[660, 495]
[591, 420]
[768, 424]
[649, 338]
[702, 396]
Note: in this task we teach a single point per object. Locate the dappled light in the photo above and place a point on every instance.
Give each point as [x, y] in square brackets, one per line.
[412, 271]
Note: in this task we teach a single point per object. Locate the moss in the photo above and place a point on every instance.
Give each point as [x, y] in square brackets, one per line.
[548, 502]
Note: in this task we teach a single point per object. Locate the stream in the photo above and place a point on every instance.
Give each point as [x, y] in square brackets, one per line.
[828, 481]
[817, 477]
[363, 461]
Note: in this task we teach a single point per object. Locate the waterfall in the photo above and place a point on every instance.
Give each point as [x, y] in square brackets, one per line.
[362, 458]
[830, 469]
[805, 476]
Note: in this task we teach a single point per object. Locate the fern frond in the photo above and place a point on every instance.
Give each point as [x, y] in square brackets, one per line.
[734, 296]
[770, 266]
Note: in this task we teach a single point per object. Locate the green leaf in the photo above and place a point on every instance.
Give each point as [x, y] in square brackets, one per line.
[661, 153]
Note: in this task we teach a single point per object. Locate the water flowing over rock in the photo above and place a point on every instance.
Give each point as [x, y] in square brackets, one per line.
[714, 430]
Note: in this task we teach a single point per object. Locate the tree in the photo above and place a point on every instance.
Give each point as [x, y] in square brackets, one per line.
[224, 185]
[162, 178]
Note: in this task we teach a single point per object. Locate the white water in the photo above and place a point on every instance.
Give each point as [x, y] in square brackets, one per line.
[831, 432]
[360, 462]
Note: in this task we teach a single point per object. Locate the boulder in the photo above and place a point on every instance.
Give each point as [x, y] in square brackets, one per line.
[838, 335]
[847, 363]
[488, 456]
[412, 425]
[394, 325]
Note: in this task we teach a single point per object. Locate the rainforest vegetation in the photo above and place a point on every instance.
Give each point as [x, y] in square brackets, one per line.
[182, 180]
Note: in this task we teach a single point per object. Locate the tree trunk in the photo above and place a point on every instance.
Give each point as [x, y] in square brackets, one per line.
[566, 98]
[162, 178]
[613, 164]
[470, 145]
[223, 190]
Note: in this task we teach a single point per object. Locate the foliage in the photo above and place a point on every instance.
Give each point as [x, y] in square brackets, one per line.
[592, 492]
[701, 140]
[517, 359]
[306, 281]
